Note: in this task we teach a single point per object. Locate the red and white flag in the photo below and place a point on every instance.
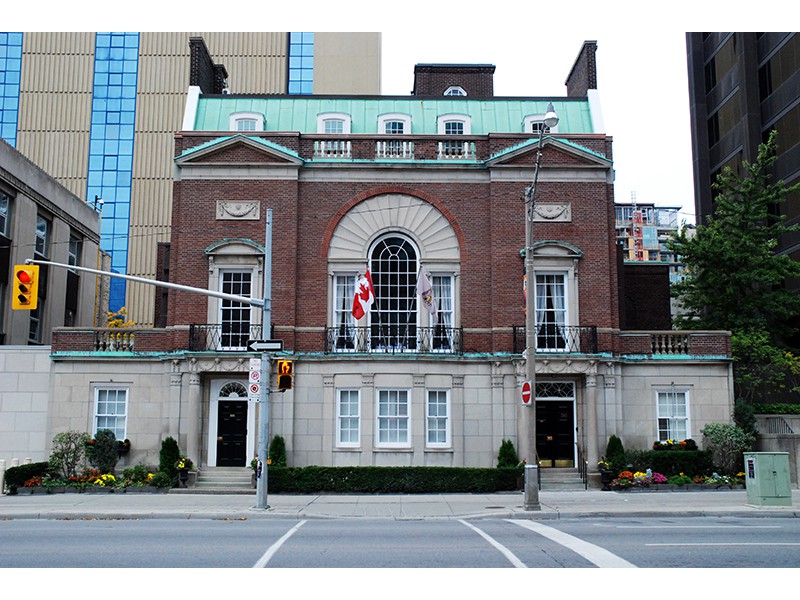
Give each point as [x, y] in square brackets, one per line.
[365, 296]
[425, 291]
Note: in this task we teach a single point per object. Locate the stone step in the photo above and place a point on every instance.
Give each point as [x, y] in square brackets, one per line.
[561, 479]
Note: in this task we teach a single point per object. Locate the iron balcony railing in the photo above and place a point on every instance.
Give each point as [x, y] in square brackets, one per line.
[226, 337]
[393, 339]
[559, 338]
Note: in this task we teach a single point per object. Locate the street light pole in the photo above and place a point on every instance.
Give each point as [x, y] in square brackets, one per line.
[531, 457]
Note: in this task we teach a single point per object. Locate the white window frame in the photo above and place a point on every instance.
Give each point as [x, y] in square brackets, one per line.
[334, 116]
[403, 118]
[344, 336]
[125, 391]
[432, 421]
[225, 305]
[533, 123]
[552, 339]
[348, 398]
[400, 415]
[239, 117]
[671, 429]
[455, 90]
[442, 120]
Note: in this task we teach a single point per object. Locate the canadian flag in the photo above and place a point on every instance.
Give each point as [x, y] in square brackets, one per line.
[365, 296]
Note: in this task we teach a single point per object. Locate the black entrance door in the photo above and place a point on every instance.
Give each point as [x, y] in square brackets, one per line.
[231, 433]
[555, 441]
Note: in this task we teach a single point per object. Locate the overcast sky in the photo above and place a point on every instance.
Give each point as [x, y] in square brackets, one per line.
[643, 95]
[641, 55]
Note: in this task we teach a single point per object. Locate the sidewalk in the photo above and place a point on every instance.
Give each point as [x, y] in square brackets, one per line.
[554, 505]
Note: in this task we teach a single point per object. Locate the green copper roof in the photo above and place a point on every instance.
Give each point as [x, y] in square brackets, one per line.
[299, 113]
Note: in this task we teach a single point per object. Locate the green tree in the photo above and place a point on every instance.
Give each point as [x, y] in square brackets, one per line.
[277, 451]
[68, 452]
[102, 451]
[168, 456]
[507, 455]
[734, 277]
[727, 443]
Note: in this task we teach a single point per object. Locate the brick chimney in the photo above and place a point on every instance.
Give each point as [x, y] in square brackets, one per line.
[433, 80]
[203, 73]
[583, 76]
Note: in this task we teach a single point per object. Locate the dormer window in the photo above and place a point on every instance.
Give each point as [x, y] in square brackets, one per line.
[535, 124]
[455, 90]
[333, 123]
[394, 124]
[247, 121]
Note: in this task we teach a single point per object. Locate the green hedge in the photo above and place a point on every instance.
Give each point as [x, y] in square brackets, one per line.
[391, 480]
[776, 409]
[17, 476]
[671, 462]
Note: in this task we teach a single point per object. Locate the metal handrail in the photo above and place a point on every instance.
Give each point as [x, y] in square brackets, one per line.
[551, 338]
[393, 339]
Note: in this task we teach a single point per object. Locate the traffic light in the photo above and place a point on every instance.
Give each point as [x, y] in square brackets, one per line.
[285, 375]
[25, 293]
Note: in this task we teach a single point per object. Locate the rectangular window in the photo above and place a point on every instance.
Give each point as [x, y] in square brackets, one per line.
[551, 312]
[245, 125]
[438, 418]
[5, 214]
[348, 419]
[334, 126]
[673, 415]
[344, 332]
[35, 325]
[394, 127]
[111, 410]
[443, 297]
[235, 316]
[393, 415]
[74, 250]
[43, 228]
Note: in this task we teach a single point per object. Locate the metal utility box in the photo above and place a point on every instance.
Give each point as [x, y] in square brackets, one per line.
[767, 478]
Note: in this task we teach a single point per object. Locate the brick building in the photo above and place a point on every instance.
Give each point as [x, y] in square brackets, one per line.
[429, 184]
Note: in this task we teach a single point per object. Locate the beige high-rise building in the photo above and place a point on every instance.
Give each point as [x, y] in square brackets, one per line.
[98, 112]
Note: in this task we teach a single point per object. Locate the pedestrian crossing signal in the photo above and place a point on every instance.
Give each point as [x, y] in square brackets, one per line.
[285, 374]
[25, 293]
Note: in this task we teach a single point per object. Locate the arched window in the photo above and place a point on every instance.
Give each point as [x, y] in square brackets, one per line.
[393, 264]
[455, 90]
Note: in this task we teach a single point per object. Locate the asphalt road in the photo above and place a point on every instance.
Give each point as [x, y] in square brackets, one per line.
[657, 542]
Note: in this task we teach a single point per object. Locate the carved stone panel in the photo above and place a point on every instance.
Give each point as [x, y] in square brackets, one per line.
[231, 210]
[553, 212]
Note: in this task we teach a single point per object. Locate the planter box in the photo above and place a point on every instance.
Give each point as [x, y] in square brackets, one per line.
[98, 489]
[143, 489]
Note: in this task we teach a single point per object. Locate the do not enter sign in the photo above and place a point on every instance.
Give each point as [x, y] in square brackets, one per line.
[526, 393]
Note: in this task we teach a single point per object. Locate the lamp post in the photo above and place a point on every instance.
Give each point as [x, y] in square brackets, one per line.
[532, 460]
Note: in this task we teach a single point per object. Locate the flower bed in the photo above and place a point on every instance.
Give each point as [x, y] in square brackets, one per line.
[652, 481]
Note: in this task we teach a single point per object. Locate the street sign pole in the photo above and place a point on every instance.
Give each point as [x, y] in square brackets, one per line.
[266, 371]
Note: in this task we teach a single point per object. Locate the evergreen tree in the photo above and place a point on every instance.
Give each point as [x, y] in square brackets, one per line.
[734, 277]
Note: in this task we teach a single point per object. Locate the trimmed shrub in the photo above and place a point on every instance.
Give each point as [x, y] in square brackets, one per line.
[102, 451]
[776, 409]
[507, 456]
[727, 442]
[17, 476]
[391, 480]
[615, 454]
[277, 451]
[169, 455]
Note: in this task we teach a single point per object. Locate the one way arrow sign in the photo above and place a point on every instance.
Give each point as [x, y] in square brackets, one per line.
[264, 345]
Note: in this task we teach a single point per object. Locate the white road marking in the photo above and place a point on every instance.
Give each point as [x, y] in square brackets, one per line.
[262, 562]
[594, 554]
[727, 544]
[698, 526]
[505, 551]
